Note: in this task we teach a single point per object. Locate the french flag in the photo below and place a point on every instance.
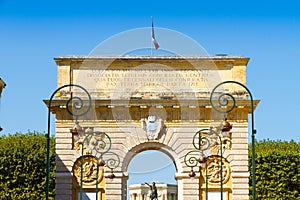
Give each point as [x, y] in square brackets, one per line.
[156, 45]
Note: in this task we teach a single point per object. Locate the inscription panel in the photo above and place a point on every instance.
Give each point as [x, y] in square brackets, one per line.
[145, 79]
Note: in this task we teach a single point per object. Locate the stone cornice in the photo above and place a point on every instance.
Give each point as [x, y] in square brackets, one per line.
[192, 103]
[134, 110]
[121, 62]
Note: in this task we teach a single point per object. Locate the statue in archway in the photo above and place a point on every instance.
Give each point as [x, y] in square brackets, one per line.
[153, 189]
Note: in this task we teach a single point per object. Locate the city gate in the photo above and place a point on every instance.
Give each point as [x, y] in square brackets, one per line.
[138, 103]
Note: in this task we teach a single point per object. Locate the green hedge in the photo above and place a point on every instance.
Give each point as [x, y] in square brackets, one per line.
[277, 170]
[23, 166]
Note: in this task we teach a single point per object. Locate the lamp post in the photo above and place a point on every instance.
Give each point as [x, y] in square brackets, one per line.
[97, 144]
[203, 141]
[76, 107]
[226, 103]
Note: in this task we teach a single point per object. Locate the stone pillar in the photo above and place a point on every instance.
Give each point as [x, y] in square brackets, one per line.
[64, 163]
[115, 187]
[64, 75]
[239, 163]
[188, 188]
[63, 184]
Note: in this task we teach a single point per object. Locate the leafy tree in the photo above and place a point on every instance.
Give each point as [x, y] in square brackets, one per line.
[23, 166]
[277, 170]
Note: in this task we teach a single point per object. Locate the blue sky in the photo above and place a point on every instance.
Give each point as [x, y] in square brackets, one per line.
[33, 32]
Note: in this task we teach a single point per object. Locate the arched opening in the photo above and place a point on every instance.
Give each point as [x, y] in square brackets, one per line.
[147, 167]
[150, 166]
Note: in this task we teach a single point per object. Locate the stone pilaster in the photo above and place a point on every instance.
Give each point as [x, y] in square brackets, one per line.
[115, 186]
[239, 162]
[63, 185]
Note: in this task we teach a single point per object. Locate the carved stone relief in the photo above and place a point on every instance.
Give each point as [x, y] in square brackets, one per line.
[88, 169]
[214, 170]
[152, 126]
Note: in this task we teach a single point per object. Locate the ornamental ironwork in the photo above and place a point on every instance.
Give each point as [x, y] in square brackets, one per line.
[94, 146]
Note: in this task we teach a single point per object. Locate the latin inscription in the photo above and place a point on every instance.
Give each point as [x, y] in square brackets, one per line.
[128, 79]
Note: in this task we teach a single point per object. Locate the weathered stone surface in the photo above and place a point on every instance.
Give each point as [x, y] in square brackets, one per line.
[124, 90]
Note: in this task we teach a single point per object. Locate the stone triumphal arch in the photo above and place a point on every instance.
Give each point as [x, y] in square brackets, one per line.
[149, 103]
